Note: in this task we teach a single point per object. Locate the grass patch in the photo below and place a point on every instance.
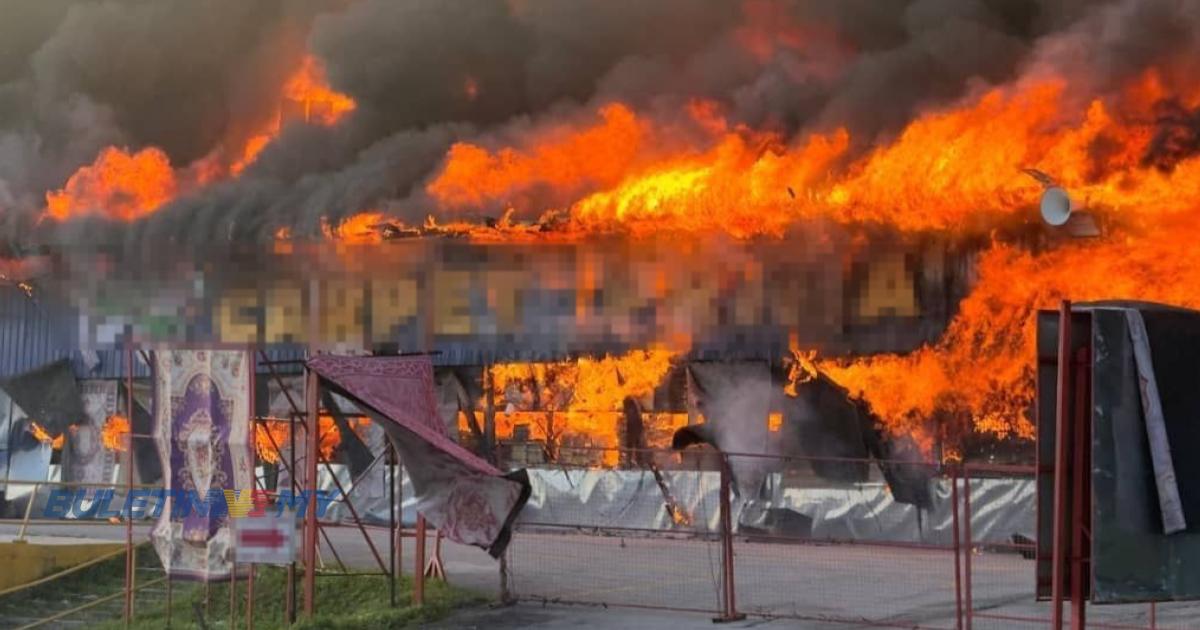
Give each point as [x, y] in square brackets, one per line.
[343, 601]
[104, 572]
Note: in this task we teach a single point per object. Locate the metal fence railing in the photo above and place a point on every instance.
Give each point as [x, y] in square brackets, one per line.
[1000, 577]
[880, 544]
[645, 536]
[883, 544]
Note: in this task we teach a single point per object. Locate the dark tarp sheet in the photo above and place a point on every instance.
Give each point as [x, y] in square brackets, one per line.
[48, 395]
[1175, 348]
[1132, 558]
[828, 427]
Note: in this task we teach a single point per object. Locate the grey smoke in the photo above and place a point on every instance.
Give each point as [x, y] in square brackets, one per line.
[736, 398]
[190, 75]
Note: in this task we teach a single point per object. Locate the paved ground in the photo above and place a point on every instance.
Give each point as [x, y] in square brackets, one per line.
[883, 584]
[561, 617]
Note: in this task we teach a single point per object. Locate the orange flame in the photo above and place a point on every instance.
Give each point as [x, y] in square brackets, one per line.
[331, 437]
[250, 151]
[114, 433]
[264, 433]
[280, 432]
[118, 185]
[55, 442]
[580, 402]
[562, 158]
[308, 87]
[309, 98]
[126, 186]
[980, 374]
[952, 169]
[359, 229]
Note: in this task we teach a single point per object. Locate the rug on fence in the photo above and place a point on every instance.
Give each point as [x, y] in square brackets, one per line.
[466, 498]
[202, 424]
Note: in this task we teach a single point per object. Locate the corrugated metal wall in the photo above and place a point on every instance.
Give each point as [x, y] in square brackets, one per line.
[34, 332]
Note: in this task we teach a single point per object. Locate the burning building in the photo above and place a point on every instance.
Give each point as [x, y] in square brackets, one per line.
[587, 226]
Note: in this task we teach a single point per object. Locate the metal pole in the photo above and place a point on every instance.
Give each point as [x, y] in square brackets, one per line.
[354, 513]
[129, 577]
[419, 564]
[729, 591]
[290, 596]
[250, 599]
[1079, 493]
[233, 592]
[727, 508]
[167, 564]
[969, 547]
[295, 487]
[168, 597]
[724, 508]
[399, 472]
[391, 525]
[1062, 436]
[292, 471]
[505, 596]
[489, 416]
[310, 519]
[28, 513]
[958, 600]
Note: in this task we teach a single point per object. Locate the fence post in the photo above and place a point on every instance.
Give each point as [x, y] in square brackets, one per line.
[311, 439]
[506, 597]
[1062, 451]
[729, 591]
[968, 547]
[129, 559]
[419, 563]
[954, 525]
[391, 476]
[28, 513]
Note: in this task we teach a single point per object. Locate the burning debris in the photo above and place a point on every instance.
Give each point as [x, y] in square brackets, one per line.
[581, 403]
[272, 436]
[115, 433]
[56, 442]
[372, 228]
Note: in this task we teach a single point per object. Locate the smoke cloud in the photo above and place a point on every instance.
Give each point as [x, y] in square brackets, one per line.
[193, 76]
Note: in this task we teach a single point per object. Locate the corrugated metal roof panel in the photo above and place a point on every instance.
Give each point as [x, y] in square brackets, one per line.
[32, 332]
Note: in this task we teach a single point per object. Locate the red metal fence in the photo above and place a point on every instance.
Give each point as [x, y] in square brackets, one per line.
[802, 546]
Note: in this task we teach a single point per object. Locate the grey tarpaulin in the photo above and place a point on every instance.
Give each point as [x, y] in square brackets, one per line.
[22, 457]
[1156, 427]
[1001, 507]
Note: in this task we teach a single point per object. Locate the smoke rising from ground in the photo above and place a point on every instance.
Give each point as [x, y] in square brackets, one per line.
[190, 76]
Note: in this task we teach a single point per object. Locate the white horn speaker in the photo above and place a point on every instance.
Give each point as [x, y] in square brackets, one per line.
[1056, 206]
